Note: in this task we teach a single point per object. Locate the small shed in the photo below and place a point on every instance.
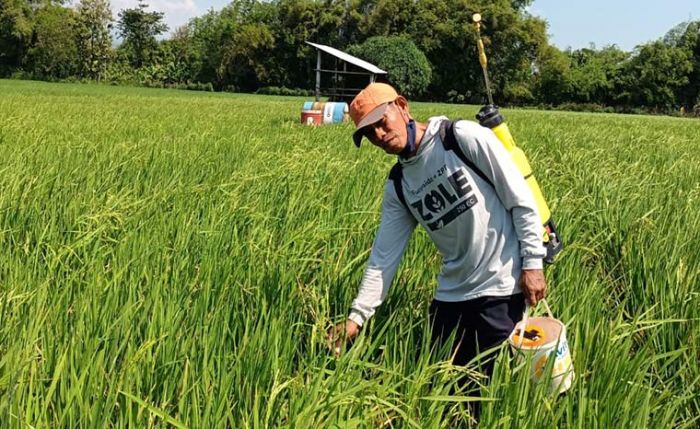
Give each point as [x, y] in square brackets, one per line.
[347, 73]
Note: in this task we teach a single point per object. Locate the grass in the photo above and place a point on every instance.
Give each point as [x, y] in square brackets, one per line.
[173, 259]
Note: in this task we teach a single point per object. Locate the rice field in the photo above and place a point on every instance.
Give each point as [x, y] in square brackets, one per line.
[174, 259]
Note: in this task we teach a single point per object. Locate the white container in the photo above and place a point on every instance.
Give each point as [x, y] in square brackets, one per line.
[536, 339]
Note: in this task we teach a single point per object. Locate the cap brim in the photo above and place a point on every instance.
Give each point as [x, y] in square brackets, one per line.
[375, 115]
[357, 136]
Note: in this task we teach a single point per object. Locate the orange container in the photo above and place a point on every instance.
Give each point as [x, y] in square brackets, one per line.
[312, 117]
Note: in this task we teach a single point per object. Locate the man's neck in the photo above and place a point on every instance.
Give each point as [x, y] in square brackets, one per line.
[420, 132]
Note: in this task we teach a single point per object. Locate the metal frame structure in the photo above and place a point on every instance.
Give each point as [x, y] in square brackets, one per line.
[370, 70]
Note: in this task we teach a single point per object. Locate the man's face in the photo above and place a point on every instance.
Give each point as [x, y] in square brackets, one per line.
[389, 133]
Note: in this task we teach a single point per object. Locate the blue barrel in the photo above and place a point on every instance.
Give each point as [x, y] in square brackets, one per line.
[339, 111]
[333, 113]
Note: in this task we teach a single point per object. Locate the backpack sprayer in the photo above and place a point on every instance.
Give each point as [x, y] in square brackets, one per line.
[490, 117]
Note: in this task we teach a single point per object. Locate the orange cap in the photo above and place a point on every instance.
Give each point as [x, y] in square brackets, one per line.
[369, 106]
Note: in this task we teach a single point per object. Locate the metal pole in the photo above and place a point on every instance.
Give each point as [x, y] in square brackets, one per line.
[335, 79]
[318, 76]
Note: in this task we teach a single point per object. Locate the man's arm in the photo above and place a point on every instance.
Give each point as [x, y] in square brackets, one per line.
[393, 234]
[484, 149]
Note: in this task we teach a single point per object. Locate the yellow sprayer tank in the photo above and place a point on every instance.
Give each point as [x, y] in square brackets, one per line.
[490, 117]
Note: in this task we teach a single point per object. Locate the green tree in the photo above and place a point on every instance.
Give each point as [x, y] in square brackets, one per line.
[202, 36]
[244, 56]
[654, 75]
[235, 46]
[16, 26]
[250, 50]
[552, 79]
[296, 22]
[594, 74]
[513, 41]
[94, 23]
[406, 66]
[251, 43]
[54, 51]
[180, 56]
[443, 30]
[293, 23]
[138, 29]
[439, 28]
[686, 36]
[389, 18]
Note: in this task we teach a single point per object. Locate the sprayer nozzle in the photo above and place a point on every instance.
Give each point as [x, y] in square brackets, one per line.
[489, 116]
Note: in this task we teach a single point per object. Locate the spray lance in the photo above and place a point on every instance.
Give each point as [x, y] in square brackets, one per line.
[490, 117]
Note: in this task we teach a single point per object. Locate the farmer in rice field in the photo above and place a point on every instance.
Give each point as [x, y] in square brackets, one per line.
[482, 218]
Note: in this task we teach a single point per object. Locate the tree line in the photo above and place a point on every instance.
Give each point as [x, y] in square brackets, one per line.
[427, 46]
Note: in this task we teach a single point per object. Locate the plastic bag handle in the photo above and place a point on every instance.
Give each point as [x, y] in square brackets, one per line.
[523, 323]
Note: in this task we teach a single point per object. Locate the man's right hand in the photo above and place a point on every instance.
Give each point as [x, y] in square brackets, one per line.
[533, 285]
[341, 334]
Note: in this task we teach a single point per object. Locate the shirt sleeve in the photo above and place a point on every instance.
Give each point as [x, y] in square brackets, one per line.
[395, 229]
[482, 146]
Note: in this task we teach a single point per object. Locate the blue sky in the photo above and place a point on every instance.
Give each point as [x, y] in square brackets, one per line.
[626, 23]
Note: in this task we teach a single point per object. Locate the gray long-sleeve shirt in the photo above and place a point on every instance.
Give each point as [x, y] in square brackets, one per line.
[486, 235]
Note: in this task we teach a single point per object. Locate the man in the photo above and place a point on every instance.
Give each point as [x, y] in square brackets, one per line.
[484, 223]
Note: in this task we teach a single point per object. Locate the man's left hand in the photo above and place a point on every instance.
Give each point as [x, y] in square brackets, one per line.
[534, 286]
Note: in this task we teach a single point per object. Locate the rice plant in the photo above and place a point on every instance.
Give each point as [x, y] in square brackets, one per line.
[174, 259]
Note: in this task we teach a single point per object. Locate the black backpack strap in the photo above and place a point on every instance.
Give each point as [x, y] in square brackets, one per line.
[449, 142]
[395, 175]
